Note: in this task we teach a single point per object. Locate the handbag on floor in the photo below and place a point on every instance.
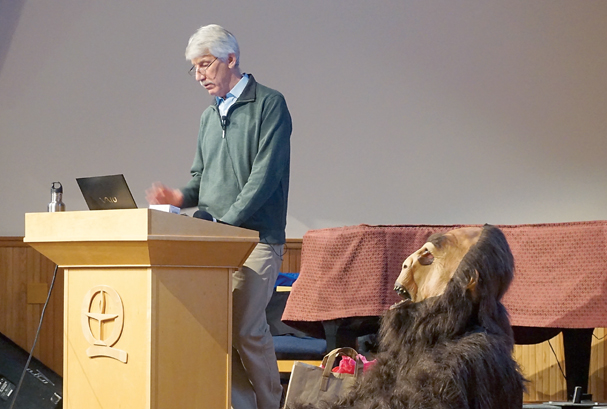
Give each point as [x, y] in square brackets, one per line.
[311, 384]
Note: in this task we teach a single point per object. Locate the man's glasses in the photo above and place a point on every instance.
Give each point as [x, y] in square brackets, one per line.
[202, 69]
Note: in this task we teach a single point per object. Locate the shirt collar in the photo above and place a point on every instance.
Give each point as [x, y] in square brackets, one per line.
[236, 91]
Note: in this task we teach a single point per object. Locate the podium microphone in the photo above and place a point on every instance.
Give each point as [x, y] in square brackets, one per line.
[224, 124]
[204, 215]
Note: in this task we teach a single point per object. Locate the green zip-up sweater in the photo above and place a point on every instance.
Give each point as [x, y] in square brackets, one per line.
[240, 173]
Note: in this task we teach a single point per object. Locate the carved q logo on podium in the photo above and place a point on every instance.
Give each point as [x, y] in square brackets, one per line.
[102, 311]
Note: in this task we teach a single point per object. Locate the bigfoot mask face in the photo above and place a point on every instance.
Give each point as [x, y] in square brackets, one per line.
[426, 272]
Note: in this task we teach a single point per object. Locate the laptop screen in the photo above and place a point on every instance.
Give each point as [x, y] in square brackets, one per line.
[106, 192]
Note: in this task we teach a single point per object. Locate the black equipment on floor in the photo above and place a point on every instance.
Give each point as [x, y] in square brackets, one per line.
[41, 388]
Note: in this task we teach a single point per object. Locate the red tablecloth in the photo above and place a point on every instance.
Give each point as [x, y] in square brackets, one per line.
[560, 278]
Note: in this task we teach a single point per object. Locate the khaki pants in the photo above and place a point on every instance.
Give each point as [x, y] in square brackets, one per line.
[255, 377]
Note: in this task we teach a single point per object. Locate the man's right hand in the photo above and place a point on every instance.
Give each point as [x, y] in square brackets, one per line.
[161, 194]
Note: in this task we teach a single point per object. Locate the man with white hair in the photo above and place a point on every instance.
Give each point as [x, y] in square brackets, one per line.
[240, 176]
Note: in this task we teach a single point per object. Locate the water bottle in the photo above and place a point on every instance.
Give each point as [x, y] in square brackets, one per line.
[56, 205]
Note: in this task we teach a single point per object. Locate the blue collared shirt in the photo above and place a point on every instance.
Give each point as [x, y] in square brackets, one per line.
[224, 104]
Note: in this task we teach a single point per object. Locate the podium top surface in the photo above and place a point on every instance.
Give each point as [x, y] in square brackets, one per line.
[127, 225]
[136, 237]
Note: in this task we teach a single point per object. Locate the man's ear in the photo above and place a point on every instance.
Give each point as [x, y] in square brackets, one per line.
[231, 61]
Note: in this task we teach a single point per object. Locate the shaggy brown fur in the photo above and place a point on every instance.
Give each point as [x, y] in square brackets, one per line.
[451, 351]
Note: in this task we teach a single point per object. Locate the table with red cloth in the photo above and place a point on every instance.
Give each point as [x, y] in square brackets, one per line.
[560, 278]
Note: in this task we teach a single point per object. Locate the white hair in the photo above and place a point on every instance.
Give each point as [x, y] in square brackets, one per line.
[212, 39]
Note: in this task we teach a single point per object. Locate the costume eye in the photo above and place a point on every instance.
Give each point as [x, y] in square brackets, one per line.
[426, 258]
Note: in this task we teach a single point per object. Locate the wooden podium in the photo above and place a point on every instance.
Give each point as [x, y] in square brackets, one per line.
[148, 306]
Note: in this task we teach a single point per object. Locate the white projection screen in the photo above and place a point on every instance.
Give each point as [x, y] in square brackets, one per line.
[404, 112]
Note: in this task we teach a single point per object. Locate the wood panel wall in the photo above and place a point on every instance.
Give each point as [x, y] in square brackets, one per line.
[23, 272]
[291, 262]
[23, 269]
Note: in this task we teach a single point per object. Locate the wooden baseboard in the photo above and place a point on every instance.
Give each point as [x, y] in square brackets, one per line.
[286, 366]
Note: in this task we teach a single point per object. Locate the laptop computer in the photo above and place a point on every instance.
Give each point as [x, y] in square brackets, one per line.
[106, 192]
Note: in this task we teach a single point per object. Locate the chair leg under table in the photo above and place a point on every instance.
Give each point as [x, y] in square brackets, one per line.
[577, 343]
[578, 346]
[344, 332]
